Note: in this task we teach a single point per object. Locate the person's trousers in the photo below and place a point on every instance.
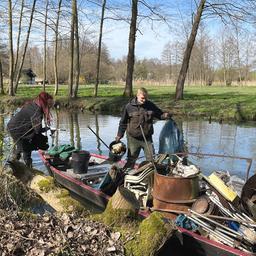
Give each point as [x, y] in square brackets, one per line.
[134, 148]
[24, 147]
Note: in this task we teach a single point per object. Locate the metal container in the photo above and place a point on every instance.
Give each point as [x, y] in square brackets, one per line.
[204, 205]
[175, 189]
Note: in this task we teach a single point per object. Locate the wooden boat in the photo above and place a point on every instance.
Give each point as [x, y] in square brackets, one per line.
[184, 242]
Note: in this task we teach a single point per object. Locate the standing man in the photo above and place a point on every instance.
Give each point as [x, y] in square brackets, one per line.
[139, 113]
[25, 127]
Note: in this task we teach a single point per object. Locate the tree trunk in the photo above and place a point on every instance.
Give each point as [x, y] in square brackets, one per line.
[18, 38]
[11, 89]
[125, 199]
[71, 61]
[76, 53]
[56, 50]
[130, 57]
[45, 43]
[99, 49]
[1, 79]
[25, 47]
[187, 54]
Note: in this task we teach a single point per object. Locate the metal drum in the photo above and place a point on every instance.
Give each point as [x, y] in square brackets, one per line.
[175, 189]
[174, 194]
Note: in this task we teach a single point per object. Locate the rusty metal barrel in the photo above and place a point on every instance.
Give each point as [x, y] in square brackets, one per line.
[175, 193]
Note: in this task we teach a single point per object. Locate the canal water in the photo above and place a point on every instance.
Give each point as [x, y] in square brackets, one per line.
[199, 136]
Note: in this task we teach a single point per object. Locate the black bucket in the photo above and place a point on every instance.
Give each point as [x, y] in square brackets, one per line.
[80, 161]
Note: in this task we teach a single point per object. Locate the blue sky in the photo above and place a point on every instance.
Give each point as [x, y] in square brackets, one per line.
[151, 37]
[148, 45]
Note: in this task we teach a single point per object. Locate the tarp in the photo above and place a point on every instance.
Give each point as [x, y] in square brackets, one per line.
[170, 139]
[63, 151]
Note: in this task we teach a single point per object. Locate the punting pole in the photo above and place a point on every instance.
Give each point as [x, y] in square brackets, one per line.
[149, 151]
[97, 136]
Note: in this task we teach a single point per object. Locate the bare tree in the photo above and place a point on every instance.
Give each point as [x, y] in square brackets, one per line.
[130, 58]
[187, 54]
[71, 60]
[45, 42]
[76, 53]
[99, 49]
[18, 37]
[1, 78]
[56, 77]
[238, 55]
[25, 46]
[11, 58]
[227, 56]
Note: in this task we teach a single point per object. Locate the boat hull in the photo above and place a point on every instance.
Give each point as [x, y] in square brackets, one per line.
[184, 242]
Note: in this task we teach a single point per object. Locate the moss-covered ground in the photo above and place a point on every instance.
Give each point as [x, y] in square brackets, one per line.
[140, 236]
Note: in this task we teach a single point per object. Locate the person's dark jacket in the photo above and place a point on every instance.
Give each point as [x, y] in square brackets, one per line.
[27, 122]
[136, 115]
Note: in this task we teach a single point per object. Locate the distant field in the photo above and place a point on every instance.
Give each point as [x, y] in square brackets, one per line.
[216, 102]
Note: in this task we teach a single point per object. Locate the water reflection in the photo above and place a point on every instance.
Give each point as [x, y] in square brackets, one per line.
[200, 136]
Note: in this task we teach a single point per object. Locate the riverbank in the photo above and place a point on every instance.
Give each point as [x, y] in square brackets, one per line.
[215, 103]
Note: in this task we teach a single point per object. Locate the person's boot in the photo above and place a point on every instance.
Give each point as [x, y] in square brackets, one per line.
[15, 156]
[28, 162]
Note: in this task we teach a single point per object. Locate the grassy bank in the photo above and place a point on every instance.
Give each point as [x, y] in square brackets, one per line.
[217, 103]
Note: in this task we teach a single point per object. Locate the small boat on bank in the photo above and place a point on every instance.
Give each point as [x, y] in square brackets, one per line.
[89, 186]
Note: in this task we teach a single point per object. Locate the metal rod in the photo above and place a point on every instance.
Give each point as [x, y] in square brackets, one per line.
[237, 236]
[220, 237]
[97, 136]
[248, 160]
[149, 151]
[216, 223]
[251, 223]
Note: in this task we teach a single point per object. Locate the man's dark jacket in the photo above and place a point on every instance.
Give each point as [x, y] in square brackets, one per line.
[136, 115]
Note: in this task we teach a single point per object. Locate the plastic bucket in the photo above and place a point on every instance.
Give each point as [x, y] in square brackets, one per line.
[80, 161]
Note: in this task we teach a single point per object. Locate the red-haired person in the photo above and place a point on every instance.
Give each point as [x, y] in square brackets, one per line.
[25, 127]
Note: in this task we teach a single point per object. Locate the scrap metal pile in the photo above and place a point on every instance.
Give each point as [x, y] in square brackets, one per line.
[212, 207]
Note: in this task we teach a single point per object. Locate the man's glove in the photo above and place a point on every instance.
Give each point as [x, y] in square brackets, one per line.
[45, 129]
